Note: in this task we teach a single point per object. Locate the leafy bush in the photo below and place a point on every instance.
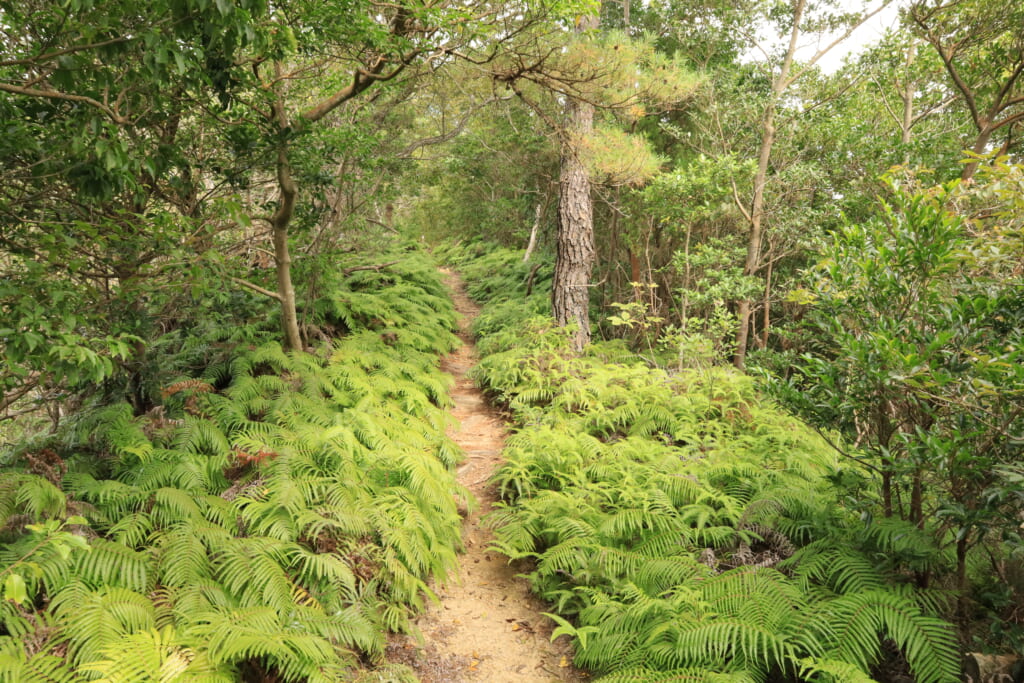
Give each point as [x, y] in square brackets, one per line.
[918, 321]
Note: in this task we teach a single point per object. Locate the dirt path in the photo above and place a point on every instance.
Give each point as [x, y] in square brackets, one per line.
[488, 626]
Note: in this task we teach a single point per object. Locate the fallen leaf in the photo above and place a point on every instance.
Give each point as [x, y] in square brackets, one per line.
[515, 627]
[564, 663]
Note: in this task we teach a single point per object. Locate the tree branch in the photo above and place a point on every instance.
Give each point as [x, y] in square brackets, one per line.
[361, 80]
[256, 288]
[57, 95]
[66, 51]
[8, 399]
[825, 50]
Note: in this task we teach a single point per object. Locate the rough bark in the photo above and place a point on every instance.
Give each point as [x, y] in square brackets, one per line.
[575, 255]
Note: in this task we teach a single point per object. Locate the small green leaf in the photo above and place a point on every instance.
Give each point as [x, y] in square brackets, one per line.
[77, 542]
[14, 589]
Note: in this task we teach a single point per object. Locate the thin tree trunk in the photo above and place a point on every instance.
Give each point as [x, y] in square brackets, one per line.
[533, 232]
[887, 475]
[963, 601]
[280, 222]
[909, 89]
[756, 232]
[767, 306]
[575, 256]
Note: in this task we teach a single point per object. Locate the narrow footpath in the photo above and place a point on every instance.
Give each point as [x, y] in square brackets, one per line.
[488, 626]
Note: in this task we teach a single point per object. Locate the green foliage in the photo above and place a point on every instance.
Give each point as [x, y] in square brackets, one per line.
[404, 303]
[277, 513]
[921, 330]
[683, 525]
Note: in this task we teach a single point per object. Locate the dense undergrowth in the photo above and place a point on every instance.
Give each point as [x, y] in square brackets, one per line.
[268, 519]
[684, 527]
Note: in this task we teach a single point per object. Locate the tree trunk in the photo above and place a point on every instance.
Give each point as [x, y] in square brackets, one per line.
[533, 232]
[280, 222]
[767, 306]
[963, 599]
[756, 233]
[980, 147]
[574, 259]
[907, 96]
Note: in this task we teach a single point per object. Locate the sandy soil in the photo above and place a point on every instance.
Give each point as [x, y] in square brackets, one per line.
[488, 626]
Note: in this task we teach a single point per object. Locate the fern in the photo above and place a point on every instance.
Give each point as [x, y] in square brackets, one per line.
[19, 666]
[274, 515]
[691, 675]
[152, 656]
[257, 633]
[30, 495]
[95, 618]
[112, 564]
[657, 505]
[929, 644]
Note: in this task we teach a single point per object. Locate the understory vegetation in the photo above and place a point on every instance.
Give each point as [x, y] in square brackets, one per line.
[222, 419]
[267, 516]
[682, 525]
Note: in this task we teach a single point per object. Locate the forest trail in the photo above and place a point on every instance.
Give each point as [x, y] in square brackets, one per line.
[488, 625]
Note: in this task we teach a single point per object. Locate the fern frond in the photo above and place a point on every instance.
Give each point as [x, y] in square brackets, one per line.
[252, 570]
[173, 505]
[16, 666]
[132, 530]
[181, 556]
[114, 565]
[96, 619]
[929, 644]
[690, 675]
[150, 656]
[201, 436]
[30, 494]
[833, 671]
[238, 635]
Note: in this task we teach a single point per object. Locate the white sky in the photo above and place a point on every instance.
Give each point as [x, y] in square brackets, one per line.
[865, 34]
